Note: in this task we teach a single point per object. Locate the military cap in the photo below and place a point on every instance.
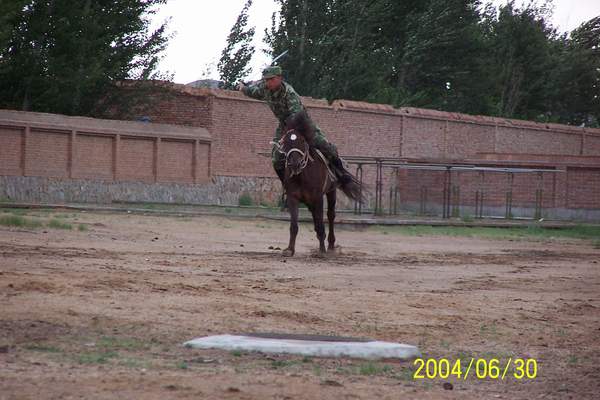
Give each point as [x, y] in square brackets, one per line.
[272, 71]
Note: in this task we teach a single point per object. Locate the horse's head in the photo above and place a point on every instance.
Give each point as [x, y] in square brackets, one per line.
[296, 150]
[298, 134]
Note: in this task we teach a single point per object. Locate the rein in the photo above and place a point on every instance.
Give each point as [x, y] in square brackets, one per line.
[305, 157]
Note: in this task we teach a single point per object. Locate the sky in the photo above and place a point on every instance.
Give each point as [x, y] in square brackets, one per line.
[201, 27]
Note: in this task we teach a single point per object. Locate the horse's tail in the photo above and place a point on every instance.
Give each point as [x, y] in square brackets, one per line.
[354, 189]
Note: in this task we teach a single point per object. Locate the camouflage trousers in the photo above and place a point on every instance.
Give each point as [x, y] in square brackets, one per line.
[328, 149]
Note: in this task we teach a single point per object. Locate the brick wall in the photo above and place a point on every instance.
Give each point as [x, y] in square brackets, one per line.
[96, 164]
[56, 146]
[241, 129]
[11, 149]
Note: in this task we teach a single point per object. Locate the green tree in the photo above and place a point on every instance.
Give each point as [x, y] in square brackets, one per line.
[336, 47]
[441, 60]
[452, 55]
[521, 59]
[65, 57]
[238, 52]
[402, 53]
[8, 10]
[577, 99]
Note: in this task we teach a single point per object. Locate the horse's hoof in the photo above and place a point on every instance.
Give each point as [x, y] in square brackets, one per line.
[334, 250]
[287, 252]
[321, 254]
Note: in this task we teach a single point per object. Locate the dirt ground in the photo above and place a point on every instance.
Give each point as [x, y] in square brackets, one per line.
[101, 312]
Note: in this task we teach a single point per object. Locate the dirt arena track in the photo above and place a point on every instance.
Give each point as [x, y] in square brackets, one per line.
[101, 311]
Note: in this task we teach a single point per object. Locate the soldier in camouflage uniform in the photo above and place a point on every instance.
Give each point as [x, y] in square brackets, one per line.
[285, 102]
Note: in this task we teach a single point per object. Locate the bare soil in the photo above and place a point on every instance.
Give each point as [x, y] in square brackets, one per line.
[102, 312]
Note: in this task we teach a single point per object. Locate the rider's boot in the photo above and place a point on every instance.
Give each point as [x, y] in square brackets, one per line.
[330, 152]
[344, 177]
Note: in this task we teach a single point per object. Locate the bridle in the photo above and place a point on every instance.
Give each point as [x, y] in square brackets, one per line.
[306, 157]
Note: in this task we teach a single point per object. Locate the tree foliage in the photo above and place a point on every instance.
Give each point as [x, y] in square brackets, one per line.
[239, 50]
[63, 56]
[577, 99]
[453, 55]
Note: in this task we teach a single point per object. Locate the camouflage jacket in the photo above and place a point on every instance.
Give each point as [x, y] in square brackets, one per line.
[284, 102]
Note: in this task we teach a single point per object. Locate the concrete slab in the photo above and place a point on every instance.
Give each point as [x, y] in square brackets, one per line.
[308, 347]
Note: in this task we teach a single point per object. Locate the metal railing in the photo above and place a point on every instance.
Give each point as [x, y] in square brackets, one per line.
[451, 192]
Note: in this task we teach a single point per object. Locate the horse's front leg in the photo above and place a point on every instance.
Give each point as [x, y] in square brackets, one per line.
[331, 201]
[292, 204]
[317, 214]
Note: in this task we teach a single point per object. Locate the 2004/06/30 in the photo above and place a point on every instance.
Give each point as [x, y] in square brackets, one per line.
[480, 368]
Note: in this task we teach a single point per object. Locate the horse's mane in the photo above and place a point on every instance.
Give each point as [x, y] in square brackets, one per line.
[302, 124]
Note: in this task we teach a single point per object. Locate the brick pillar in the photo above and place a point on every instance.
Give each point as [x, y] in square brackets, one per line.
[209, 161]
[445, 151]
[26, 135]
[401, 136]
[71, 155]
[156, 158]
[116, 146]
[495, 137]
[195, 161]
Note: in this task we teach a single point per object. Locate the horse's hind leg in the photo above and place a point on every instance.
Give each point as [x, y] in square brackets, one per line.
[293, 207]
[317, 214]
[331, 200]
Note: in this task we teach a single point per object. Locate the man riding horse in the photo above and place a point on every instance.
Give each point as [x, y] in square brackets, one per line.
[286, 104]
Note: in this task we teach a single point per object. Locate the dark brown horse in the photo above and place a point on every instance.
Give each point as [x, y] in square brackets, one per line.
[307, 179]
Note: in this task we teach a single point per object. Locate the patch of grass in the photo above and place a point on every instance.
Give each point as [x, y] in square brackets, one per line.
[464, 355]
[498, 355]
[279, 364]
[152, 206]
[562, 332]
[264, 226]
[45, 349]
[236, 353]
[82, 228]
[405, 374]
[245, 200]
[19, 221]
[467, 218]
[96, 357]
[15, 211]
[266, 204]
[182, 365]
[57, 224]
[134, 363]
[285, 363]
[317, 370]
[113, 343]
[371, 368]
[489, 330]
[531, 231]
